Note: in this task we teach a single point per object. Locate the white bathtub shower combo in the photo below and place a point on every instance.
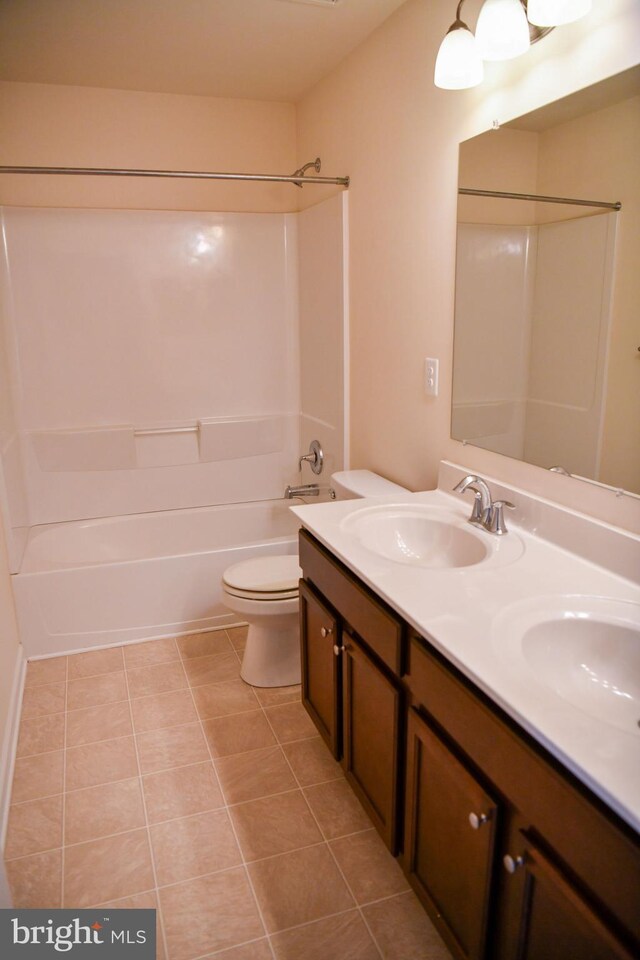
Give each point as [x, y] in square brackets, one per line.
[157, 374]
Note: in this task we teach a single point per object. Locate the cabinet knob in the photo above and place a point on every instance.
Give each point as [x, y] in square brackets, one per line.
[477, 821]
[326, 631]
[511, 864]
[337, 650]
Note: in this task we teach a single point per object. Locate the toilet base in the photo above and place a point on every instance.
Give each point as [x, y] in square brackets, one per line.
[272, 654]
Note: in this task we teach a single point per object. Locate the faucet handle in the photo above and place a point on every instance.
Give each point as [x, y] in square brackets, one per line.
[495, 521]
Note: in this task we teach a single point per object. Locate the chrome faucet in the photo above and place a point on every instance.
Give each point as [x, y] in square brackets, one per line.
[485, 512]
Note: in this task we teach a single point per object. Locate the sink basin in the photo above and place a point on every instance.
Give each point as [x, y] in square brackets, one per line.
[586, 650]
[418, 535]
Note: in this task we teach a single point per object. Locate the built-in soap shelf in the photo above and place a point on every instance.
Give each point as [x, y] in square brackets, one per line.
[125, 447]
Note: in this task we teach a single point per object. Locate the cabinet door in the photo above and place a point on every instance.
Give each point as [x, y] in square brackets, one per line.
[371, 737]
[553, 920]
[320, 666]
[450, 837]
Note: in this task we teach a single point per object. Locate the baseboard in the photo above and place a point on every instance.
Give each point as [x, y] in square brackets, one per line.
[10, 741]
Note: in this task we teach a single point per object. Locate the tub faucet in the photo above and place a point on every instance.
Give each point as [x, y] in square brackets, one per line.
[485, 512]
[304, 490]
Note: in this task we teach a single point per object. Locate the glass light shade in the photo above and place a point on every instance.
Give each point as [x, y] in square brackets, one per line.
[458, 64]
[553, 13]
[502, 32]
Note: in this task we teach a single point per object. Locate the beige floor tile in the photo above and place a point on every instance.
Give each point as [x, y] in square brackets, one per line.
[106, 722]
[204, 644]
[369, 869]
[34, 827]
[312, 762]
[238, 637]
[156, 678]
[104, 762]
[44, 700]
[36, 777]
[403, 931]
[209, 914]
[36, 881]
[181, 792]
[45, 671]
[107, 869]
[171, 747]
[215, 669]
[194, 846]
[224, 699]
[256, 950]
[95, 663]
[103, 810]
[299, 887]
[151, 652]
[142, 901]
[93, 691]
[337, 809]
[272, 696]
[163, 710]
[41, 735]
[274, 825]
[291, 722]
[238, 734]
[341, 938]
[249, 776]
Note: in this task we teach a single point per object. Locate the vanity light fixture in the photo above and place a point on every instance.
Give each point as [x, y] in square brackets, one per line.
[553, 13]
[502, 32]
[458, 64]
[505, 30]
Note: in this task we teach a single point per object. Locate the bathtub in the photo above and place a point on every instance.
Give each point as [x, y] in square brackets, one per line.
[92, 583]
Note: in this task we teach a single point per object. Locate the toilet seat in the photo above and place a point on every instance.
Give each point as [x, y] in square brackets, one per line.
[263, 578]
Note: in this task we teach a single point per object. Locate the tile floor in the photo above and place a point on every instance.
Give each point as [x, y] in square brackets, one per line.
[151, 775]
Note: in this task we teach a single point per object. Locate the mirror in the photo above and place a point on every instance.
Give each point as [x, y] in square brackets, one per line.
[546, 363]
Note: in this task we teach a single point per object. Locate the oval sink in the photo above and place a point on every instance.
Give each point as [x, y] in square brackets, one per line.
[416, 535]
[586, 650]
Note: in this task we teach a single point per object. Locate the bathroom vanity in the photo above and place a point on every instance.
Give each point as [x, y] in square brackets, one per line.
[476, 776]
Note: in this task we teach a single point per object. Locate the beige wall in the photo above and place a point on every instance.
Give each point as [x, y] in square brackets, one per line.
[379, 118]
[44, 125]
[10, 649]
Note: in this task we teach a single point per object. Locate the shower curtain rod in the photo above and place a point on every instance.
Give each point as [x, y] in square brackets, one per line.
[298, 178]
[534, 196]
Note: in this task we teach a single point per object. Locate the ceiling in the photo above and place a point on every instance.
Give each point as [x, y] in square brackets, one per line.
[253, 49]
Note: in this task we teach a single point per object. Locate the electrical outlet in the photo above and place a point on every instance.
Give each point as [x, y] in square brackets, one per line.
[431, 376]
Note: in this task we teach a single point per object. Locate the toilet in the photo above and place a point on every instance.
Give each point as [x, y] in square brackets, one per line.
[264, 592]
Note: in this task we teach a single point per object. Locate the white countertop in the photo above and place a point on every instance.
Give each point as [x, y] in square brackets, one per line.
[466, 614]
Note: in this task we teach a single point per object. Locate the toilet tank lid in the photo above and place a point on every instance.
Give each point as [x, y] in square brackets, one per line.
[264, 574]
[364, 483]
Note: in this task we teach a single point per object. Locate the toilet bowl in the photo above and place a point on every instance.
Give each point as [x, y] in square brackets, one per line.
[264, 592]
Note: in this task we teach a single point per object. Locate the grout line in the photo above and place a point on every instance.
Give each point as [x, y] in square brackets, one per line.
[146, 819]
[233, 828]
[64, 786]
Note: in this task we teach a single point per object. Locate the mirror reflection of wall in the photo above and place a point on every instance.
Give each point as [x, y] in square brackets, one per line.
[546, 361]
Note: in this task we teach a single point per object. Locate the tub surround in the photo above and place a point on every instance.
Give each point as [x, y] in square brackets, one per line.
[460, 612]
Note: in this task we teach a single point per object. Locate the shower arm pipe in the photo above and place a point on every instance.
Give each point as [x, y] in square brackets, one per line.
[298, 178]
[501, 194]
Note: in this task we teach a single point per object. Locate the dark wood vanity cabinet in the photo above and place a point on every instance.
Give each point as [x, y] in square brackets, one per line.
[450, 838]
[511, 856]
[348, 688]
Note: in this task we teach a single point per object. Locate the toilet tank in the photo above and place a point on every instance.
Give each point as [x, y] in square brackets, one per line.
[349, 484]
